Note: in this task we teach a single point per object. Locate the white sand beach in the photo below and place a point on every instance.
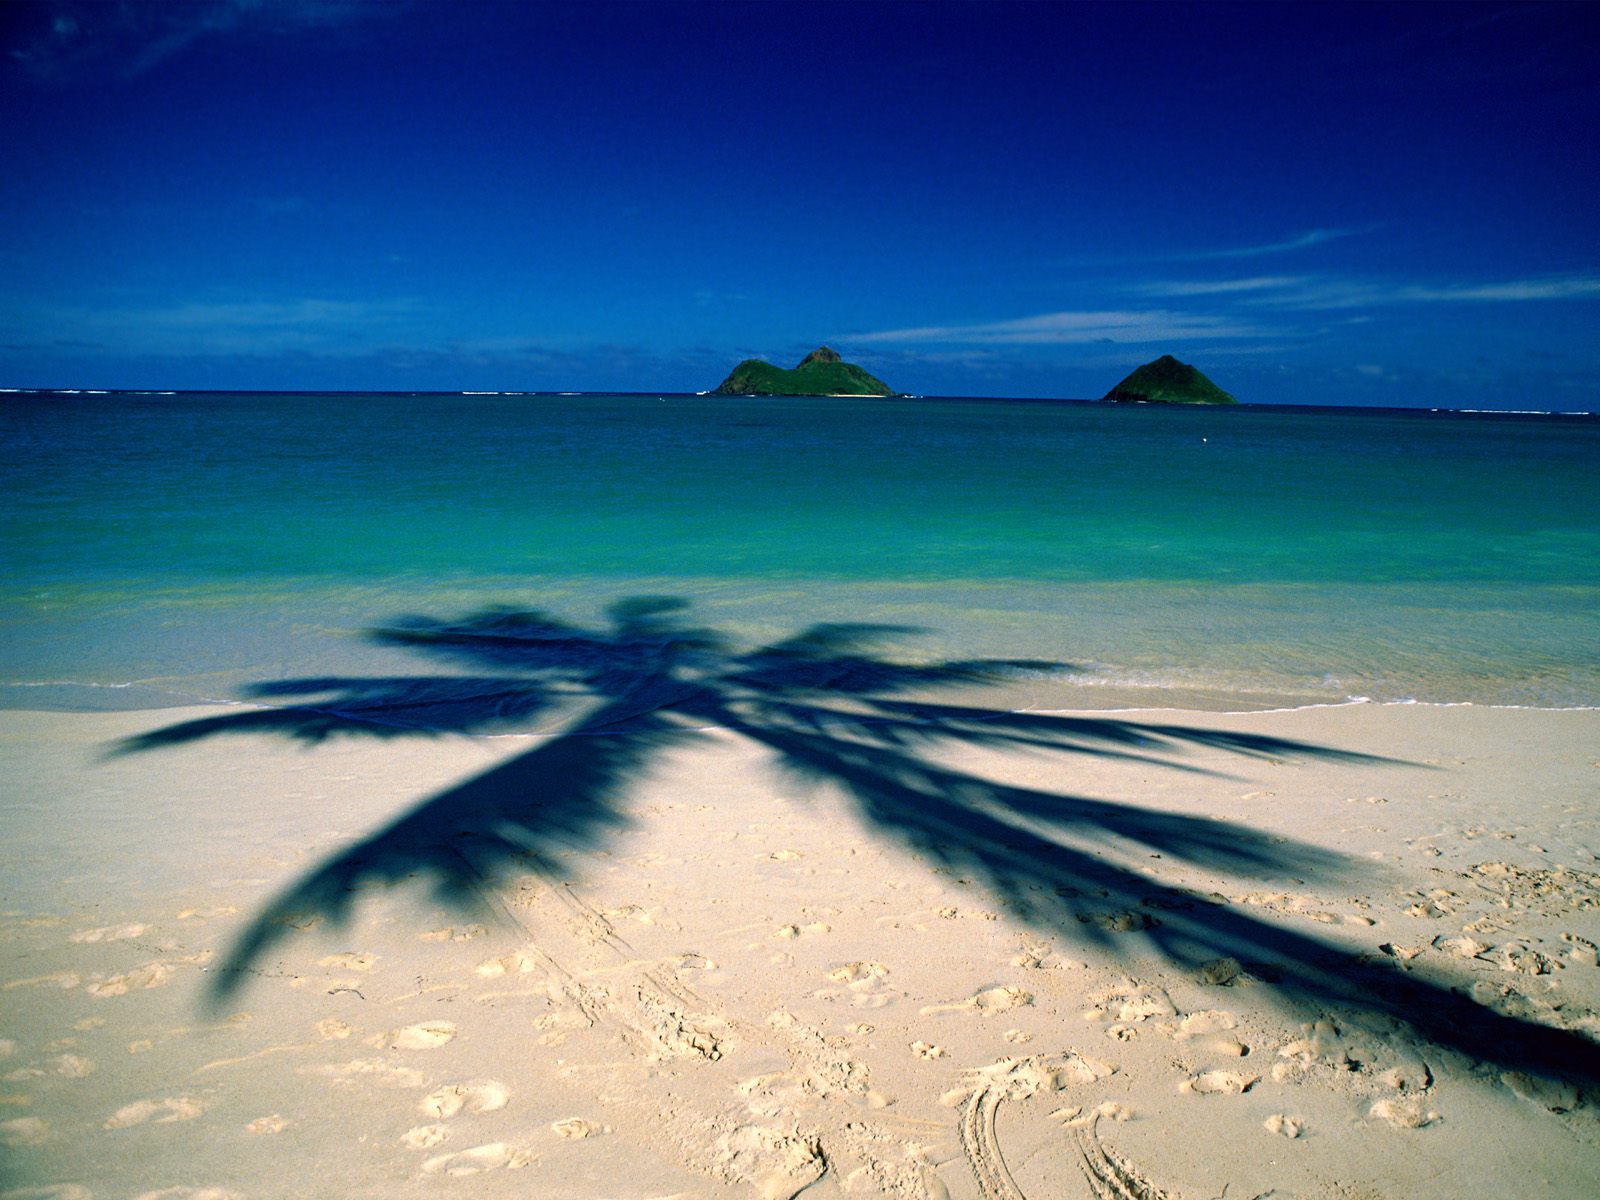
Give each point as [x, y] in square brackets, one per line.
[1333, 952]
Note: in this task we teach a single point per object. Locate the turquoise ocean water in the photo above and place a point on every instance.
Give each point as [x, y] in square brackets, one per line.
[159, 549]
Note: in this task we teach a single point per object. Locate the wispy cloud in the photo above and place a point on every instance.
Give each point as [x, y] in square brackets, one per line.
[1306, 292]
[267, 314]
[1075, 328]
[72, 38]
[1569, 287]
[1299, 241]
[228, 327]
[1221, 287]
[1284, 245]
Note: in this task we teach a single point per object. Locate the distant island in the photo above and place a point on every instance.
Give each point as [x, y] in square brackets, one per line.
[1168, 381]
[820, 373]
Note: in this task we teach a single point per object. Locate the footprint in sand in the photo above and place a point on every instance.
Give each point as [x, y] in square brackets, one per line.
[779, 1163]
[300, 921]
[480, 1096]
[349, 961]
[424, 1137]
[1404, 1114]
[151, 975]
[575, 1128]
[110, 933]
[1203, 1022]
[1219, 1083]
[630, 912]
[1080, 1068]
[480, 1158]
[995, 999]
[61, 979]
[1582, 950]
[274, 1123]
[1463, 947]
[515, 963]
[858, 972]
[1077, 1117]
[1524, 958]
[428, 1035]
[1043, 958]
[161, 1112]
[1021, 1078]
[791, 932]
[331, 1029]
[1290, 1127]
[453, 933]
[864, 984]
[1408, 1077]
[1323, 1044]
[72, 1066]
[1131, 1004]
[205, 914]
[1000, 999]
[927, 1050]
[23, 1131]
[371, 1070]
[1128, 921]
[1557, 1095]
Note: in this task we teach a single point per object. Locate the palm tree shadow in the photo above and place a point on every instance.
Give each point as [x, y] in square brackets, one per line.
[830, 708]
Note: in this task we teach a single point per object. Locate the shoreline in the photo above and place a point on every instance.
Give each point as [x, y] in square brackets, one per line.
[188, 701]
[815, 985]
[1113, 646]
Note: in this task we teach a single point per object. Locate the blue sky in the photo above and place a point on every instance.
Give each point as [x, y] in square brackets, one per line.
[1388, 204]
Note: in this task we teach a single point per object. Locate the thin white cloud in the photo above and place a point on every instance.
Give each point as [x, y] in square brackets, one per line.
[84, 36]
[1220, 287]
[1299, 241]
[1074, 328]
[265, 314]
[247, 326]
[1286, 245]
[1306, 292]
[1569, 287]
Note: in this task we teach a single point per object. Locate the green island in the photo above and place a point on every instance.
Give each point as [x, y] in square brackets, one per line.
[1168, 381]
[820, 373]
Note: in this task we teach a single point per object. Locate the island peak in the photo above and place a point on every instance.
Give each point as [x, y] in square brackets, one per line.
[820, 373]
[1168, 381]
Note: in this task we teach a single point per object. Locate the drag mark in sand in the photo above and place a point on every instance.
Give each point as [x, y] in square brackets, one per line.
[1013, 1078]
[652, 1008]
[1110, 1176]
[982, 1147]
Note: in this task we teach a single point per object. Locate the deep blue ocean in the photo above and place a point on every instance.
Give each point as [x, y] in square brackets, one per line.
[166, 548]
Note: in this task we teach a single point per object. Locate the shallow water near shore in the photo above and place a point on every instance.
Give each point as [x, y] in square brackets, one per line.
[168, 549]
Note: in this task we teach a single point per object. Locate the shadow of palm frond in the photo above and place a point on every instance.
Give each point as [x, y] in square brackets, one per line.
[830, 707]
